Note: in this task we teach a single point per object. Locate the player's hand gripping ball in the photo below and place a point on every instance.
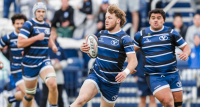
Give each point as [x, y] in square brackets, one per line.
[92, 42]
[1, 65]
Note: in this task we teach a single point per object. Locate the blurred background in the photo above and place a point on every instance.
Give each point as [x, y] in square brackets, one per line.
[87, 17]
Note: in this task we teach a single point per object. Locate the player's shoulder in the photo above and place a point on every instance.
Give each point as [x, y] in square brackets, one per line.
[28, 23]
[47, 24]
[174, 32]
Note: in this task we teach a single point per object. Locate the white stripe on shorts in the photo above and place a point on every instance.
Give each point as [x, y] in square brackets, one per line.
[19, 82]
[160, 88]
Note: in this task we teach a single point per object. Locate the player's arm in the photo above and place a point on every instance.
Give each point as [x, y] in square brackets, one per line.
[4, 41]
[25, 32]
[180, 42]
[136, 42]
[185, 54]
[24, 42]
[52, 45]
[132, 63]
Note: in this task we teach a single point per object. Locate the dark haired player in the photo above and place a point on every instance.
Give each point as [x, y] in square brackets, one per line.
[157, 44]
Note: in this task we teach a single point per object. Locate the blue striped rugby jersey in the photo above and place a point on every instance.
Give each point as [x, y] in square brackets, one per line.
[112, 50]
[38, 51]
[15, 55]
[158, 49]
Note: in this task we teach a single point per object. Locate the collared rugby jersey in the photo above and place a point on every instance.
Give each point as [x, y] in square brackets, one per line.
[158, 49]
[112, 51]
[37, 52]
[15, 55]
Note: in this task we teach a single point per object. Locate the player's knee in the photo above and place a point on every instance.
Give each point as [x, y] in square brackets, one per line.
[82, 100]
[50, 80]
[178, 104]
[168, 102]
[52, 86]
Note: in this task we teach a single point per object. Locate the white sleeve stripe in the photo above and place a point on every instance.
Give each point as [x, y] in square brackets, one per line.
[130, 52]
[8, 36]
[129, 46]
[124, 36]
[179, 39]
[25, 31]
[29, 23]
[2, 42]
[22, 35]
[171, 31]
[135, 41]
[136, 46]
[141, 32]
[182, 45]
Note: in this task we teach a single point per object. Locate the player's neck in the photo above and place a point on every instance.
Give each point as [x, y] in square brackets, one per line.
[155, 30]
[115, 30]
[16, 31]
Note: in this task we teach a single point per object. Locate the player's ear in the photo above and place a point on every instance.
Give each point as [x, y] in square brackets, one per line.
[118, 20]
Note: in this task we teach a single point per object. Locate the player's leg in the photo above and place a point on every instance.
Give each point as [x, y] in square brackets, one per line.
[160, 89]
[178, 98]
[48, 75]
[176, 88]
[30, 89]
[142, 101]
[152, 101]
[165, 97]
[106, 104]
[87, 92]
[22, 92]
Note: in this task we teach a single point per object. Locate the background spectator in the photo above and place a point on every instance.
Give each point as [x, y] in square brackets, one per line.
[101, 15]
[6, 7]
[194, 58]
[179, 26]
[62, 22]
[192, 30]
[132, 6]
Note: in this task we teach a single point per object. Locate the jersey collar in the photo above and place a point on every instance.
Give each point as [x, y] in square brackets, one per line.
[37, 21]
[115, 32]
[15, 33]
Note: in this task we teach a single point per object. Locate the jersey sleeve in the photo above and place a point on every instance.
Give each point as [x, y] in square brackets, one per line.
[128, 44]
[25, 30]
[4, 41]
[136, 39]
[179, 41]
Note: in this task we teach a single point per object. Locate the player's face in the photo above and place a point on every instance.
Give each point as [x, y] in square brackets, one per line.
[40, 14]
[18, 24]
[156, 21]
[110, 21]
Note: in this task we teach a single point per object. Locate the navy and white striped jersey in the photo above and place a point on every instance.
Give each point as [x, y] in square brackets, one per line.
[112, 51]
[158, 49]
[15, 55]
[38, 51]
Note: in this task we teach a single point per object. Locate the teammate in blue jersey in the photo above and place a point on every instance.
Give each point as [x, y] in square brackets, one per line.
[15, 57]
[35, 38]
[114, 45]
[157, 44]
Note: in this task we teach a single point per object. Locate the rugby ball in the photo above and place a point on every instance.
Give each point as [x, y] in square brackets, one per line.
[92, 41]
